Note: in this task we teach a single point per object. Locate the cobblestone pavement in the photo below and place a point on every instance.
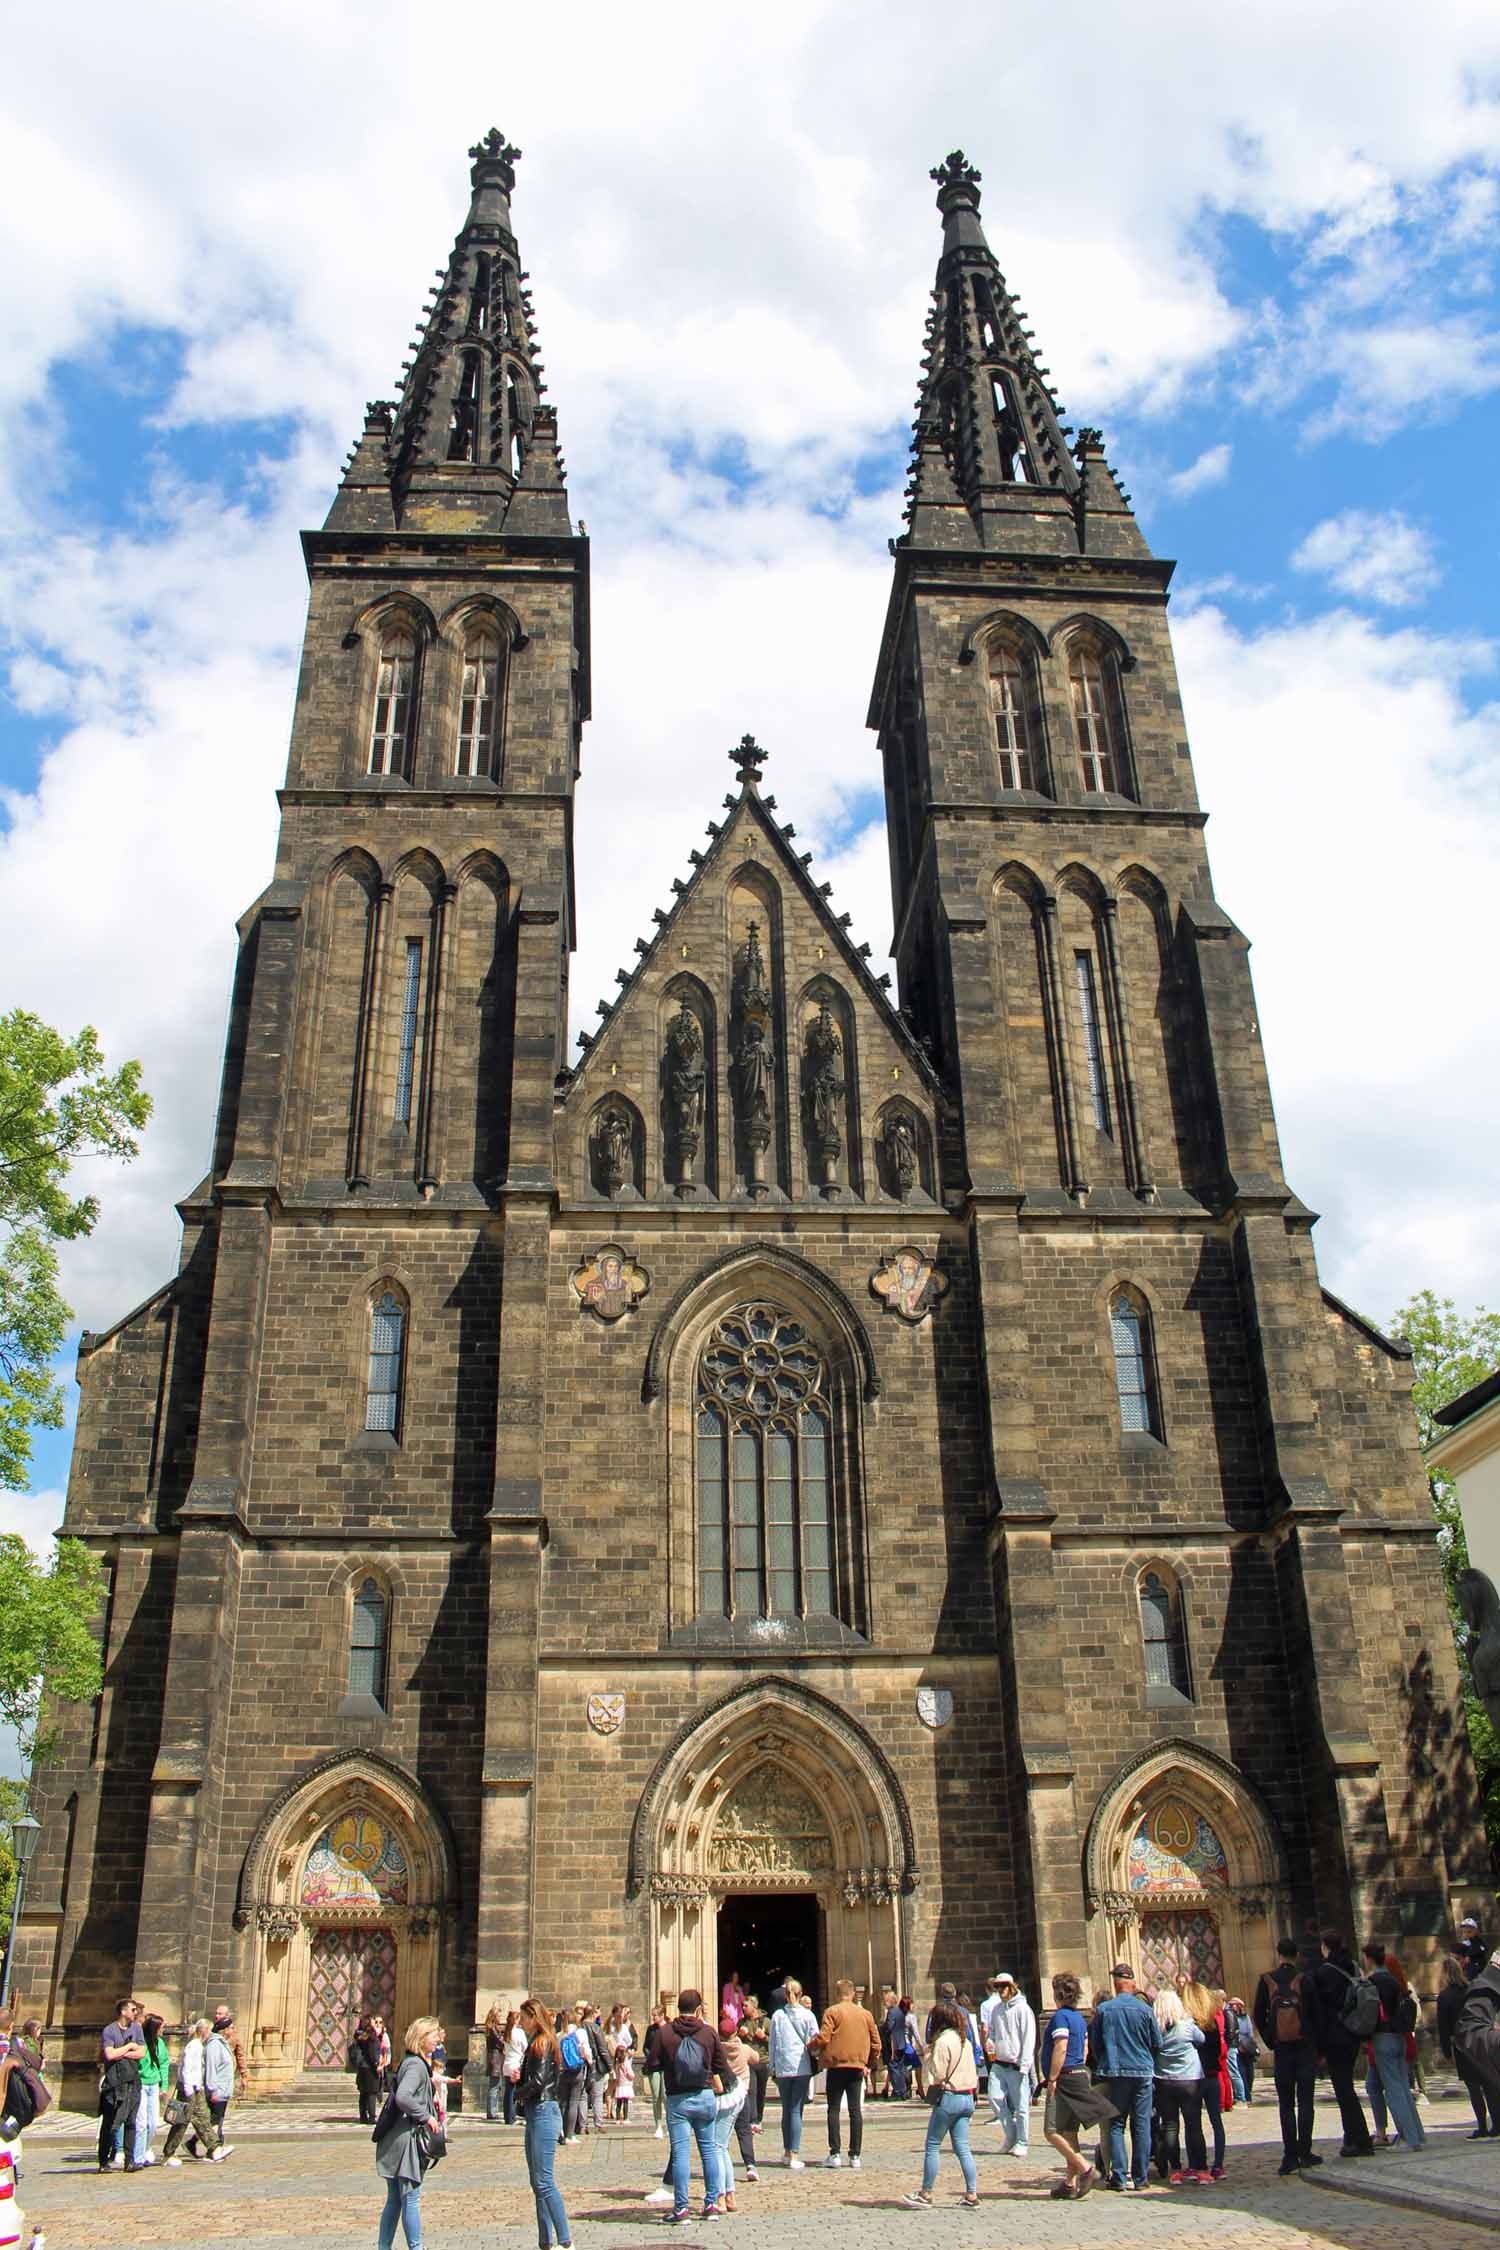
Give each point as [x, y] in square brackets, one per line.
[313, 2182]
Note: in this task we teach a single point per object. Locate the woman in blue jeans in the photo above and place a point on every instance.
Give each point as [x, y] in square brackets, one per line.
[792, 2026]
[1388, 2073]
[536, 2098]
[953, 2077]
[401, 2151]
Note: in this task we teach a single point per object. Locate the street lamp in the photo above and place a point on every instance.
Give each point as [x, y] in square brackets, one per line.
[24, 1832]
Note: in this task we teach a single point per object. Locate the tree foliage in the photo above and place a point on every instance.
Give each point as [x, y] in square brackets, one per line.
[1451, 1352]
[47, 1644]
[58, 1102]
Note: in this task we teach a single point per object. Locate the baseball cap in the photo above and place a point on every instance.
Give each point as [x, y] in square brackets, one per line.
[1123, 1969]
[1002, 1976]
[1468, 1923]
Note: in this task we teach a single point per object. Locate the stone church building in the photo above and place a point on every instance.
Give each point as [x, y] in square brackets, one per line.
[827, 1481]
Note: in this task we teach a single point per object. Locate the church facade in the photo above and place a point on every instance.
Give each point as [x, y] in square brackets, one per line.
[818, 1484]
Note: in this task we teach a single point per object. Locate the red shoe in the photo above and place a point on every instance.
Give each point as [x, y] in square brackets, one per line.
[1175, 2179]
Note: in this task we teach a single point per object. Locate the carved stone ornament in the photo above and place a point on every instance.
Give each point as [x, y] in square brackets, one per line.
[606, 1713]
[684, 1079]
[679, 1890]
[934, 1706]
[610, 1283]
[901, 1154]
[1120, 1907]
[909, 1284]
[771, 1826]
[823, 1096]
[614, 1146]
[754, 1053]
[869, 1886]
[278, 1924]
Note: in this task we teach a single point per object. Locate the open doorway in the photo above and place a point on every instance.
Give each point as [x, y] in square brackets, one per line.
[769, 1936]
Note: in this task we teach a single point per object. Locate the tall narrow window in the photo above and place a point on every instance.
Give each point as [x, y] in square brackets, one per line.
[1135, 1377]
[463, 423]
[1093, 1043]
[479, 302]
[367, 1642]
[764, 1471]
[1015, 462]
[479, 706]
[394, 681]
[1097, 749]
[1163, 1637]
[387, 1355]
[406, 1053]
[1012, 725]
[515, 427]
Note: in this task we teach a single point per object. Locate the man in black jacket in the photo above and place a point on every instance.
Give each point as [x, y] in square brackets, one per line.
[1286, 2017]
[1476, 2035]
[1332, 1982]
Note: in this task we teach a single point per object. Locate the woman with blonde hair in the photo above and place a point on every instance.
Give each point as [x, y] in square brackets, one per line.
[195, 2123]
[402, 2150]
[1203, 2007]
[537, 2098]
[1179, 2083]
[792, 2067]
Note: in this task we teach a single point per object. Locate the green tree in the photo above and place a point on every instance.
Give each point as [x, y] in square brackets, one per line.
[47, 1644]
[1451, 1352]
[12, 1803]
[58, 1103]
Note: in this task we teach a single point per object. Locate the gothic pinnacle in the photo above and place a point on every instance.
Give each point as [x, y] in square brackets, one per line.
[747, 758]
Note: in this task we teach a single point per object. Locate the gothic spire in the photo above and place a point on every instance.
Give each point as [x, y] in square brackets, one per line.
[471, 443]
[991, 466]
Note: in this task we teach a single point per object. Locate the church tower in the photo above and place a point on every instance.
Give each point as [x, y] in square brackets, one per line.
[1112, 1144]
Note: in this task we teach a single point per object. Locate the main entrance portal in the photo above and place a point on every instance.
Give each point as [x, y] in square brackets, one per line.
[768, 1937]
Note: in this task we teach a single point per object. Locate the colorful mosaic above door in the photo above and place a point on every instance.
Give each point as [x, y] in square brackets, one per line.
[357, 1861]
[351, 1973]
[1174, 1849]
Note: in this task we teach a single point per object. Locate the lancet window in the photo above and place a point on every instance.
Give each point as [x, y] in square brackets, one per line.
[1013, 729]
[1135, 1368]
[395, 684]
[387, 1363]
[1163, 1637]
[765, 1469]
[1096, 719]
[479, 706]
[368, 1636]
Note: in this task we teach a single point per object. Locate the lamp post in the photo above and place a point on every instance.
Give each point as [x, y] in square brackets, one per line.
[24, 1832]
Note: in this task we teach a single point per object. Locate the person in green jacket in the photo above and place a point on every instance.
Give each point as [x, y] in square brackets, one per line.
[156, 2069]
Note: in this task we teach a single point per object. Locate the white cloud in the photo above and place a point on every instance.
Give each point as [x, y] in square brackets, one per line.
[1377, 558]
[35, 1516]
[1210, 468]
[1356, 804]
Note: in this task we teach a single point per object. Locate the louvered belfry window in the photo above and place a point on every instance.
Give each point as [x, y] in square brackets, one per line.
[764, 1470]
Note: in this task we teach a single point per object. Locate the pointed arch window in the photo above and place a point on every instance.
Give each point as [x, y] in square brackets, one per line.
[479, 302]
[1015, 461]
[369, 1635]
[387, 1364]
[1096, 718]
[765, 1470]
[463, 424]
[1011, 698]
[395, 694]
[1135, 1364]
[1164, 1637]
[479, 705]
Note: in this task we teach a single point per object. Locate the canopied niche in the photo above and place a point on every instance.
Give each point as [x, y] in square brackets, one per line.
[773, 1792]
[350, 1877]
[1185, 1872]
[757, 1062]
[829, 1089]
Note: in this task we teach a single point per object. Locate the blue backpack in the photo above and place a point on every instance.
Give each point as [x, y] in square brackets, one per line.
[572, 2053]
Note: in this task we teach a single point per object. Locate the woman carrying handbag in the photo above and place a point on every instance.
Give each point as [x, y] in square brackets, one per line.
[952, 2079]
[405, 2135]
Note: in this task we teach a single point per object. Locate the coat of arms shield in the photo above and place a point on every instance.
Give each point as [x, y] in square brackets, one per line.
[606, 1713]
[934, 1706]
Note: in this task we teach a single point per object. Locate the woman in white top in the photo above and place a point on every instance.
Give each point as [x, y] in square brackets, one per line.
[953, 2076]
[792, 2026]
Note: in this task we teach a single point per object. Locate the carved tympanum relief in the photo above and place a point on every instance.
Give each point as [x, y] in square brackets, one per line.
[771, 1826]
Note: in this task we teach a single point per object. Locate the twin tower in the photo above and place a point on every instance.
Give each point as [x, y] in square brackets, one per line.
[817, 1484]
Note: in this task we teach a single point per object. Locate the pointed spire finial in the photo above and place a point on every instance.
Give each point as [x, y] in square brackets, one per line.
[495, 153]
[747, 758]
[958, 181]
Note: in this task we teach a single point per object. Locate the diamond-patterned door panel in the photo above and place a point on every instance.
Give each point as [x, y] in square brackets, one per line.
[352, 1974]
[1174, 1946]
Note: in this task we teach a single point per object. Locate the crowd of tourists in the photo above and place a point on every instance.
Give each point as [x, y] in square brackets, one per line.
[142, 2089]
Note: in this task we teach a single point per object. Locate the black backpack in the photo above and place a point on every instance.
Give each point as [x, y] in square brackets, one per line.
[25, 2096]
[690, 2065]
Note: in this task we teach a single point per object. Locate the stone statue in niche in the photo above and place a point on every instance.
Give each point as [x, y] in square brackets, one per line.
[1479, 1605]
[614, 1144]
[754, 1053]
[684, 1079]
[902, 1161]
[823, 1097]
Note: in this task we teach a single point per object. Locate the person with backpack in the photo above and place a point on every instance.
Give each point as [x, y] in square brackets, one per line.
[1348, 2010]
[1398, 2019]
[1286, 2016]
[573, 2046]
[24, 2092]
[695, 2070]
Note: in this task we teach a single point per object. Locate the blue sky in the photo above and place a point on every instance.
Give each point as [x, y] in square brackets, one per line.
[1261, 256]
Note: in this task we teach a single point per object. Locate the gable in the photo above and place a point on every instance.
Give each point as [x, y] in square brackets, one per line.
[751, 1054]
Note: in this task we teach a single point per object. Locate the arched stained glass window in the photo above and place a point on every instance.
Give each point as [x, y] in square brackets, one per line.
[387, 1354]
[367, 1641]
[765, 1469]
[395, 682]
[1012, 719]
[1096, 722]
[479, 704]
[1162, 1635]
[1135, 1373]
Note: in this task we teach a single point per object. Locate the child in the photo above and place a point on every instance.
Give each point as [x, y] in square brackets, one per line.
[622, 2085]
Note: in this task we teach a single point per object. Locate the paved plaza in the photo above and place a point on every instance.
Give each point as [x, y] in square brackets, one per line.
[298, 2176]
